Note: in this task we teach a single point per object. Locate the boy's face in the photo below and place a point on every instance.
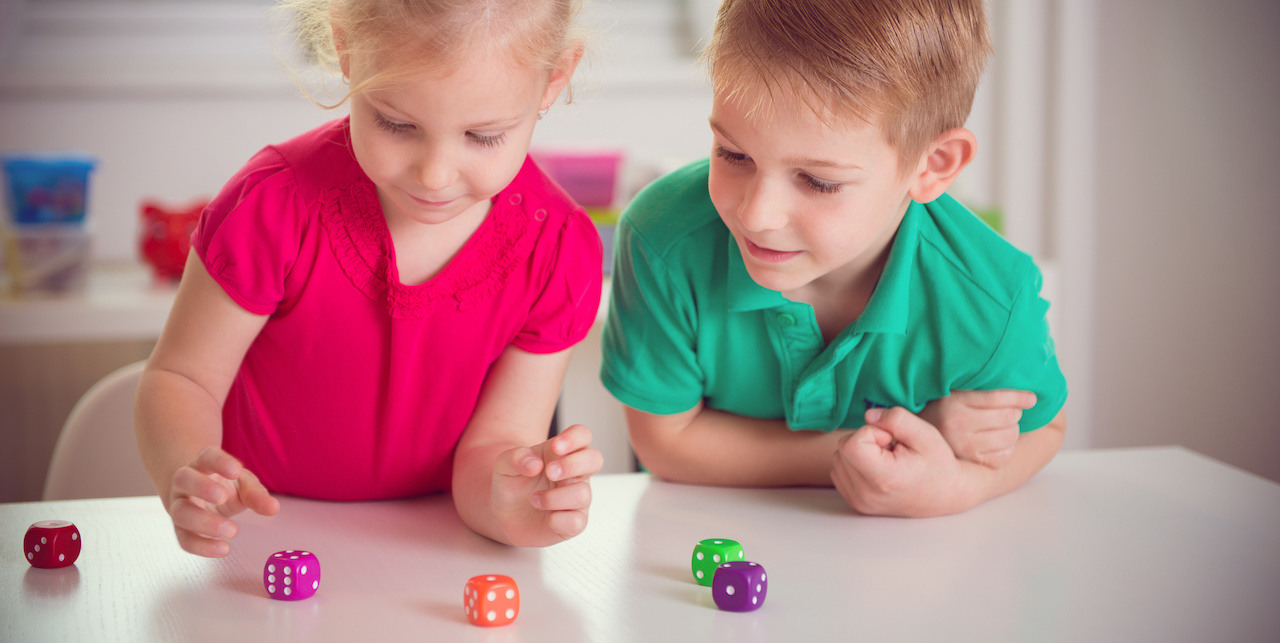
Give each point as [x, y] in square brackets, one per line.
[809, 205]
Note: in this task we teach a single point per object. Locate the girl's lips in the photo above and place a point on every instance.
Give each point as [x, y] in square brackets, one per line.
[769, 255]
[430, 204]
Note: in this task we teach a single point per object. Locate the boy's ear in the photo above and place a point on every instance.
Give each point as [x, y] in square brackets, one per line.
[941, 164]
[560, 76]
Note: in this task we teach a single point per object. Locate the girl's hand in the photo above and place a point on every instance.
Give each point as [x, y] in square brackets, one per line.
[540, 494]
[206, 492]
[980, 426]
[898, 465]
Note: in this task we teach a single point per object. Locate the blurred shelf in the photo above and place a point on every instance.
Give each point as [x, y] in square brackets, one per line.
[121, 302]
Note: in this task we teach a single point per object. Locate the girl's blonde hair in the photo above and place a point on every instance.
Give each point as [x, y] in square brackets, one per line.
[909, 66]
[402, 38]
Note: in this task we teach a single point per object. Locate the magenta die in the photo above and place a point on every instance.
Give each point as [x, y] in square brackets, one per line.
[291, 575]
[739, 586]
[51, 543]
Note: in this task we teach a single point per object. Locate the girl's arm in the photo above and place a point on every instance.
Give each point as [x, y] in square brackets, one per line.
[510, 483]
[178, 414]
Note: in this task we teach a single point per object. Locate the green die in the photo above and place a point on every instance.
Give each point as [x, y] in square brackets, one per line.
[709, 553]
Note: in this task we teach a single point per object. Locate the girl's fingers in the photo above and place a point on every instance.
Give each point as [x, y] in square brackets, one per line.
[255, 496]
[189, 516]
[571, 439]
[567, 524]
[200, 546]
[188, 482]
[563, 498]
[578, 464]
[215, 460]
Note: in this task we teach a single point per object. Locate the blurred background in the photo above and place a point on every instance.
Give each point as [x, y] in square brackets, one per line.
[1126, 144]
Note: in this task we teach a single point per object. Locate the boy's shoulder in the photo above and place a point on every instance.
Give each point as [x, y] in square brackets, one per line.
[674, 210]
[952, 236]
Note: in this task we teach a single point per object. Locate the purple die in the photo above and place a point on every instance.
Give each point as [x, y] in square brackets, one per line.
[739, 586]
[291, 575]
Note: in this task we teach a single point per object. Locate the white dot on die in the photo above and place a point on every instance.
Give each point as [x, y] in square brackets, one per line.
[287, 591]
[491, 615]
[61, 557]
[755, 599]
[699, 573]
[303, 570]
[763, 577]
[315, 584]
[271, 568]
[718, 541]
[752, 564]
[700, 556]
[271, 588]
[729, 590]
[29, 556]
[288, 581]
[715, 557]
[757, 587]
[288, 570]
[288, 551]
[271, 578]
[75, 536]
[491, 596]
[511, 613]
[43, 541]
[306, 553]
[37, 548]
[293, 558]
[491, 578]
[511, 593]
[741, 554]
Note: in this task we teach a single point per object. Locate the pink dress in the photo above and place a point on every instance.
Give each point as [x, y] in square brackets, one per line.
[358, 386]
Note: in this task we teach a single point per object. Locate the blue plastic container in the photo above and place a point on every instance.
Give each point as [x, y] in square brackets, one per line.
[48, 189]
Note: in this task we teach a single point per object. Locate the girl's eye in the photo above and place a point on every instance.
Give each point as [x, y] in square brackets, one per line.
[733, 158]
[389, 125]
[487, 140]
[820, 186]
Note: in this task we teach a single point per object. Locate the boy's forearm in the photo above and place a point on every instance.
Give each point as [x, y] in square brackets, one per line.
[720, 448]
[1032, 452]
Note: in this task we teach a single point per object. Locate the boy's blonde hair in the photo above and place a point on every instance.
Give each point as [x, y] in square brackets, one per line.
[402, 38]
[910, 67]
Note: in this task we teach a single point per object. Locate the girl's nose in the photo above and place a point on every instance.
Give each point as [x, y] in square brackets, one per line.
[436, 169]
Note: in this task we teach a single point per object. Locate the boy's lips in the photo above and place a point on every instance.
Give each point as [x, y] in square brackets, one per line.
[769, 254]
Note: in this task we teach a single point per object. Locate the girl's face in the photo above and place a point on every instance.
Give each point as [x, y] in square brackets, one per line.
[806, 203]
[443, 144]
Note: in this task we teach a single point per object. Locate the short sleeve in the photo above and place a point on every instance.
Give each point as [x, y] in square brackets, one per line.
[650, 350]
[568, 304]
[248, 236]
[1025, 358]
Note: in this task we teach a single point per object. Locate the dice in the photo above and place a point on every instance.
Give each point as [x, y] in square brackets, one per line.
[291, 575]
[51, 543]
[739, 586]
[491, 600]
[709, 553]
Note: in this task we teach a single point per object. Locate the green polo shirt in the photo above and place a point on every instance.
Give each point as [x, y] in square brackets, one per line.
[957, 307]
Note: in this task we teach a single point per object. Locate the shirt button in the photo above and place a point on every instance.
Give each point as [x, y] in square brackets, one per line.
[787, 319]
[515, 199]
[539, 214]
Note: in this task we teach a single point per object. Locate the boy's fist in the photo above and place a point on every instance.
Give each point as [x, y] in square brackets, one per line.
[980, 426]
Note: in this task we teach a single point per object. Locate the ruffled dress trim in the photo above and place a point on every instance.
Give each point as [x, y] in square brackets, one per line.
[361, 241]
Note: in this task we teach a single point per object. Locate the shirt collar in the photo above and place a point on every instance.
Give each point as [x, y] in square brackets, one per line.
[889, 305]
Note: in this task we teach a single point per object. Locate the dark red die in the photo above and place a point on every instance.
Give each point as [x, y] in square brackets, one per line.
[51, 543]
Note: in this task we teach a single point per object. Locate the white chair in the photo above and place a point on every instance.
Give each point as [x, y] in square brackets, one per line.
[97, 453]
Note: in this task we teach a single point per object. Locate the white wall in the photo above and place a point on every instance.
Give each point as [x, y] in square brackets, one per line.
[1188, 265]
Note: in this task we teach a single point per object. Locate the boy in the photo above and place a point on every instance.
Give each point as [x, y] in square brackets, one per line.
[811, 290]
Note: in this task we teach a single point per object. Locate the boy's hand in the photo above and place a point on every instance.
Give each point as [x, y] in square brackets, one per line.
[898, 465]
[980, 426]
[205, 493]
[541, 493]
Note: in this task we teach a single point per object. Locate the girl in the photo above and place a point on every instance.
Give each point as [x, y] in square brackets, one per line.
[384, 306]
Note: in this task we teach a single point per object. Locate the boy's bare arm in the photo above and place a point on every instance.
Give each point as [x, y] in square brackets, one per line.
[707, 446]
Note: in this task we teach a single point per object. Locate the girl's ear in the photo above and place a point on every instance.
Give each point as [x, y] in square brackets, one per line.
[340, 46]
[561, 74]
[941, 164]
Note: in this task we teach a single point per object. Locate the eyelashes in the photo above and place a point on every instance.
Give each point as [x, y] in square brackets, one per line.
[814, 184]
[392, 127]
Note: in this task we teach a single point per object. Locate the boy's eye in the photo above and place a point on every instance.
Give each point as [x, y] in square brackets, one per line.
[820, 186]
[733, 158]
[389, 125]
[487, 140]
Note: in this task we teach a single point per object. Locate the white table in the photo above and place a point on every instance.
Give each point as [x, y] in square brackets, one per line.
[1126, 545]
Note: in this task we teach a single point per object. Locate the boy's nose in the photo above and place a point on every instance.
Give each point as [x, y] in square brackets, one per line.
[760, 210]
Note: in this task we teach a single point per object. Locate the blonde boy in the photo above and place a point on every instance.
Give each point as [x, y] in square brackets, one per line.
[807, 307]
